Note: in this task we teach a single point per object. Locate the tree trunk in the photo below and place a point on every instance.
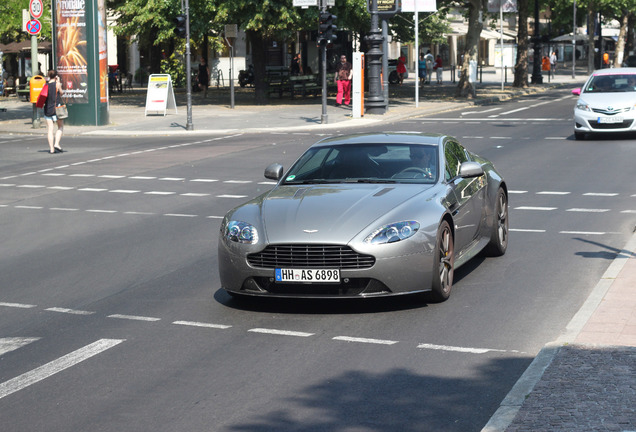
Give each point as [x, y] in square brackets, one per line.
[591, 13]
[257, 47]
[521, 67]
[475, 25]
[619, 55]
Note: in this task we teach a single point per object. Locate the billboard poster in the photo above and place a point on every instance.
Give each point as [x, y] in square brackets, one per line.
[103, 51]
[71, 49]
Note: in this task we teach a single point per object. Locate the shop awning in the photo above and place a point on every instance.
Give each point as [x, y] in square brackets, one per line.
[17, 47]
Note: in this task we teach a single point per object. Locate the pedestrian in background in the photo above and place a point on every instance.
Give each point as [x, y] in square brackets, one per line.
[438, 68]
[553, 63]
[429, 65]
[204, 77]
[344, 74]
[421, 69]
[297, 66]
[401, 68]
[53, 100]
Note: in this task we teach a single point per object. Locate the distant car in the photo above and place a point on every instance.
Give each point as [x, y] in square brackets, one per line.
[366, 215]
[630, 61]
[607, 103]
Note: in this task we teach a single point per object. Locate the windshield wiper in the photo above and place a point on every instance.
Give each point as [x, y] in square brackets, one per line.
[375, 181]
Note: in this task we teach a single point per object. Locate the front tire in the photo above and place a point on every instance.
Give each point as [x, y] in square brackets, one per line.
[499, 236]
[579, 136]
[443, 263]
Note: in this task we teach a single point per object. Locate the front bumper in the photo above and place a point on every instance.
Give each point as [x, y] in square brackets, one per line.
[586, 121]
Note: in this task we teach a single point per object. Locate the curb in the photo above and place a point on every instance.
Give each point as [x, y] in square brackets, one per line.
[511, 404]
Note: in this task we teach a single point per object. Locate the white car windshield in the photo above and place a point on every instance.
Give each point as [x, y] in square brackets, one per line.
[611, 84]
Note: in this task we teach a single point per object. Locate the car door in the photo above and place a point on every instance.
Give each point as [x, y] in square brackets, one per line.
[469, 196]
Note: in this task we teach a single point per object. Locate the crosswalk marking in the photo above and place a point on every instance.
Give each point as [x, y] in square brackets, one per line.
[38, 374]
[13, 343]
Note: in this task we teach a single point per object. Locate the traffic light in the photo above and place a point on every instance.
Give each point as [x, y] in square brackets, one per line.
[327, 28]
[180, 25]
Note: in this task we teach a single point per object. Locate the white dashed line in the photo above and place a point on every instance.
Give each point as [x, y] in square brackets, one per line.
[238, 181]
[460, 349]
[112, 176]
[81, 175]
[365, 340]
[138, 213]
[536, 208]
[527, 230]
[92, 190]
[159, 193]
[280, 332]
[171, 179]
[31, 186]
[63, 209]
[582, 232]
[587, 210]
[28, 207]
[180, 215]
[69, 311]
[101, 211]
[61, 187]
[204, 180]
[200, 324]
[192, 194]
[232, 196]
[142, 178]
[124, 191]
[134, 317]
[552, 193]
[517, 192]
[18, 305]
[600, 194]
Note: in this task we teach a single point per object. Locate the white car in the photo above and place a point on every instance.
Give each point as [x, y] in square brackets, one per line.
[607, 103]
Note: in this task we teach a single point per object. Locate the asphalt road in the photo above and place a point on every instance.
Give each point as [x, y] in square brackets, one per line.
[111, 316]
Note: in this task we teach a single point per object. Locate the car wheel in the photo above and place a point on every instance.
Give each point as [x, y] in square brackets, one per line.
[499, 236]
[443, 264]
[579, 136]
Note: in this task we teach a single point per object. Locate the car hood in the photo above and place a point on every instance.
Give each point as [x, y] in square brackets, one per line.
[330, 213]
[604, 100]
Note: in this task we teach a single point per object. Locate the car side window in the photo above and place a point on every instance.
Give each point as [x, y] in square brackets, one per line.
[455, 156]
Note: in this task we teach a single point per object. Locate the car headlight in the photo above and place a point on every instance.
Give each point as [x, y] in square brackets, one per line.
[582, 105]
[240, 232]
[392, 233]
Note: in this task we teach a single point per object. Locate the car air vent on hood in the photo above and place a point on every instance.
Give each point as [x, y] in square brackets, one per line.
[383, 191]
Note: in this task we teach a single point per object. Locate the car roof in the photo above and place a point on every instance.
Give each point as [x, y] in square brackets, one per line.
[615, 71]
[384, 138]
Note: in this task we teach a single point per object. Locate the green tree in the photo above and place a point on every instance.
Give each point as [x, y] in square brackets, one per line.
[11, 23]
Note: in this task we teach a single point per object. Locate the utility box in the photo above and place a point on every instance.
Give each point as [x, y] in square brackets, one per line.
[36, 84]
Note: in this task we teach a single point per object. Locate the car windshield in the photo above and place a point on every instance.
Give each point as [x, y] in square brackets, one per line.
[366, 163]
[611, 84]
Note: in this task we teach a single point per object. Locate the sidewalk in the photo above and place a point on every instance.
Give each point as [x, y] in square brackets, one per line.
[213, 115]
[584, 381]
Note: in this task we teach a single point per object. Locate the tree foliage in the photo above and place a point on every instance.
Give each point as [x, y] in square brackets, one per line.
[11, 23]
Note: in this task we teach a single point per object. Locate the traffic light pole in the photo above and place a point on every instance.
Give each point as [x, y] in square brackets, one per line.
[323, 53]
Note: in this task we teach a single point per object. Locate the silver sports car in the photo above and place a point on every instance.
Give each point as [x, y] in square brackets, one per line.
[366, 215]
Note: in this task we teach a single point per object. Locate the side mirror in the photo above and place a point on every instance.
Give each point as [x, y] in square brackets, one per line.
[470, 169]
[576, 92]
[274, 171]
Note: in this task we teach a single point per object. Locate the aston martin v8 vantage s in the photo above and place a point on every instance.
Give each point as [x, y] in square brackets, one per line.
[366, 215]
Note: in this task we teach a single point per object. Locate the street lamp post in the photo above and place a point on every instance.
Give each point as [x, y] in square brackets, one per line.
[375, 102]
[537, 78]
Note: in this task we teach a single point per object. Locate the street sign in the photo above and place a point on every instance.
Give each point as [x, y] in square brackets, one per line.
[36, 8]
[33, 27]
[305, 3]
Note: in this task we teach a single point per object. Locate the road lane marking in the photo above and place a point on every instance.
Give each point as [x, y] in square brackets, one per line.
[63, 209]
[92, 190]
[232, 196]
[180, 215]
[535, 208]
[527, 230]
[517, 192]
[101, 211]
[17, 305]
[587, 210]
[192, 194]
[365, 340]
[237, 181]
[172, 179]
[600, 194]
[28, 207]
[553, 193]
[159, 193]
[583, 232]
[69, 311]
[280, 332]
[14, 343]
[142, 178]
[134, 317]
[124, 191]
[461, 349]
[204, 180]
[38, 374]
[202, 324]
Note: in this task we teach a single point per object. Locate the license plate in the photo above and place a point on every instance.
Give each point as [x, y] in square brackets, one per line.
[308, 275]
[610, 119]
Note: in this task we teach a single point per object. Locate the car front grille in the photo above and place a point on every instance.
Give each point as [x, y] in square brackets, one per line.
[310, 256]
[611, 112]
[623, 125]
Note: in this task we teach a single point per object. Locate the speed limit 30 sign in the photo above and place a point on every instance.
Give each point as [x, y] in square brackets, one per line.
[36, 8]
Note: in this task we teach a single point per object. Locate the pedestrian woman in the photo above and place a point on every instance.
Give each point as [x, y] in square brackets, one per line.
[401, 68]
[344, 74]
[438, 68]
[54, 100]
[421, 69]
[204, 77]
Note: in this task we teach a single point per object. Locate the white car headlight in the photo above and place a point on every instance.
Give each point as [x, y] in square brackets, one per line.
[582, 105]
[240, 232]
[392, 233]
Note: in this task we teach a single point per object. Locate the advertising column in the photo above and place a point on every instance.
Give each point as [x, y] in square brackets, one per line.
[80, 58]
